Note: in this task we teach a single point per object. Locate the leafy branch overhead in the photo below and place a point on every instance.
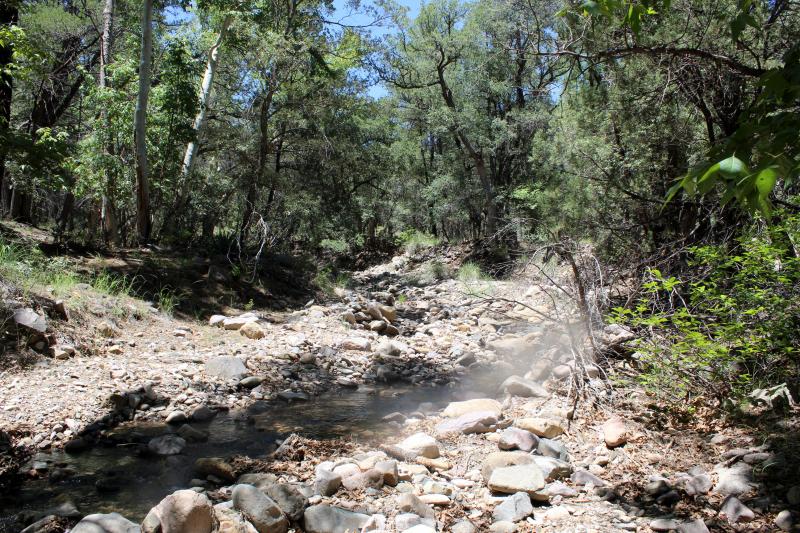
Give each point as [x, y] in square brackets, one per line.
[763, 149]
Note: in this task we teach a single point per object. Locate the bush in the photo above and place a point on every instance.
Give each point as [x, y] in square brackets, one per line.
[113, 284]
[733, 328]
[414, 241]
[474, 280]
[471, 272]
[328, 281]
[28, 267]
[334, 245]
[438, 271]
[168, 300]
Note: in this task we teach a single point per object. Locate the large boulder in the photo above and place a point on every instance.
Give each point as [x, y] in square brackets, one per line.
[518, 439]
[289, 498]
[541, 427]
[252, 330]
[183, 511]
[736, 480]
[371, 479]
[327, 482]
[553, 469]
[329, 519]
[260, 480]
[259, 509]
[614, 432]
[421, 444]
[356, 344]
[105, 523]
[30, 320]
[226, 367]
[230, 521]
[409, 503]
[168, 444]
[477, 422]
[215, 466]
[517, 386]
[501, 459]
[552, 448]
[235, 323]
[527, 478]
[457, 409]
[514, 508]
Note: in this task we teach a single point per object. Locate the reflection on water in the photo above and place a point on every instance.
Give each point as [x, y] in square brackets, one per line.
[133, 483]
[120, 478]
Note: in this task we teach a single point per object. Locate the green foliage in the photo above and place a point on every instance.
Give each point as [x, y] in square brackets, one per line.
[733, 327]
[473, 280]
[435, 270]
[27, 267]
[763, 150]
[336, 246]
[328, 280]
[414, 241]
[113, 284]
[168, 300]
[470, 272]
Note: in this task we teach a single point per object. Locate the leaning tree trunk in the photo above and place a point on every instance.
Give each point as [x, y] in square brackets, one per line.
[190, 155]
[8, 16]
[107, 213]
[140, 127]
[205, 96]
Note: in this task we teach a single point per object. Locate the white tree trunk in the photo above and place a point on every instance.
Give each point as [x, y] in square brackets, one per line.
[140, 126]
[205, 98]
[106, 208]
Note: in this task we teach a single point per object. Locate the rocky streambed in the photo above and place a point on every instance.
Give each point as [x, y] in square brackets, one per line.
[392, 408]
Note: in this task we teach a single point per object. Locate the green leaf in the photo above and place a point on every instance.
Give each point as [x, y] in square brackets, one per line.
[765, 181]
[709, 173]
[732, 167]
[590, 7]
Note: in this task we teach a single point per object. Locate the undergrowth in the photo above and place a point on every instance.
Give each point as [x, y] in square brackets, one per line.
[414, 241]
[28, 268]
[730, 331]
[327, 280]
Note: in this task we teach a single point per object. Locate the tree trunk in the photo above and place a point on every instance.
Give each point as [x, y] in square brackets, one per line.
[190, 155]
[140, 127]
[107, 213]
[265, 147]
[474, 154]
[205, 97]
[8, 16]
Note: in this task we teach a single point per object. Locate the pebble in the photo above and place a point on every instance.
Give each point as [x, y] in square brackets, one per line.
[785, 520]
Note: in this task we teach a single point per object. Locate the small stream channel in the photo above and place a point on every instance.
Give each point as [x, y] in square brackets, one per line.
[141, 481]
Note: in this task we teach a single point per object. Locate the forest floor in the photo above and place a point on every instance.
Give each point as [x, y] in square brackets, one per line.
[525, 456]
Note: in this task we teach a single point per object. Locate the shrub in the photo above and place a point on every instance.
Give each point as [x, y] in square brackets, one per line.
[328, 281]
[473, 279]
[471, 272]
[732, 329]
[113, 284]
[414, 241]
[168, 300]
[28, 267]
[334, 245]
[437, 270]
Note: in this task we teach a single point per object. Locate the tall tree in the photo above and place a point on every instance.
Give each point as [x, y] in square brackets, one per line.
[9, 15]
[143, 217]
[107, 213]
